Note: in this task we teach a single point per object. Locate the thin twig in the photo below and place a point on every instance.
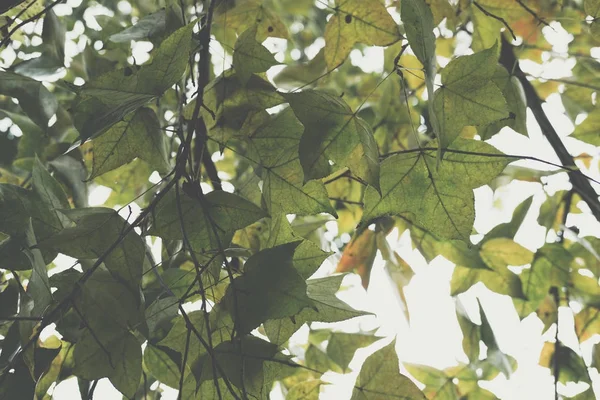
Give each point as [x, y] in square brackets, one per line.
[497, 18]
[184, 362]
[533, 13]
[581, 184]
[571, 170]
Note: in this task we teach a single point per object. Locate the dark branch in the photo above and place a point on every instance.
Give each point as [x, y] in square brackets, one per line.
[581, 185]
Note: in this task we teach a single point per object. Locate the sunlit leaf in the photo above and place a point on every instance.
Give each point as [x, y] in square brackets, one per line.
[342, 346]
[587, 131]
[501, 252]
[380, 378]
[468, 95]
[440, 199]
[241, 15]
[357, 21]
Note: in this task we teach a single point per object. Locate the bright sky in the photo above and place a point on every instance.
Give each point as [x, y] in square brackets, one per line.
[433, 336]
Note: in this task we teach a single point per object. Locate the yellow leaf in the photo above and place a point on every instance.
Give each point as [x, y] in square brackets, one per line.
[357, 21]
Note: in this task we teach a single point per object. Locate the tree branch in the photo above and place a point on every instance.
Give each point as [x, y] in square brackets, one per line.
[581, 185]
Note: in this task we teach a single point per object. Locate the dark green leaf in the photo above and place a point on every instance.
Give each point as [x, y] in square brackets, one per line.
[333, 132]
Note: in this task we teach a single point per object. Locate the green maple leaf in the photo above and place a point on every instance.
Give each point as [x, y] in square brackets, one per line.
[138, 135]
[325, 307]
[95, 230]
[104, 101]
[357, 21]
[333, 132]
[208, 228]
[270, 288]
[380, 378]
[440, 200]
[250, 57]
[274, 147]
[468, 95]
[588, 131]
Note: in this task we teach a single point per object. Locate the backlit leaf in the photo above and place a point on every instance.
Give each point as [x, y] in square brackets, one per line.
[380, 378]
[440, 199]
[468, 95]
[357, 21]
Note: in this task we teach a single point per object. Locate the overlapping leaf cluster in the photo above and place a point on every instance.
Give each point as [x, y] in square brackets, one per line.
[215, 245]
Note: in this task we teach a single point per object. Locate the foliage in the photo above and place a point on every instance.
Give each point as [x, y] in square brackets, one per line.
[215, 245]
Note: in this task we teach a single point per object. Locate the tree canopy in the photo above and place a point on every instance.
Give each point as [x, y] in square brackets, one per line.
[256, 153]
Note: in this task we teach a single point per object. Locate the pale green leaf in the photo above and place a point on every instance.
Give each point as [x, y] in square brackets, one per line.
[499, 253]
[357, 21]
[241, 15]
[506, 283]
[468, 95]
[588, 131]
[342, 346]
[307, 390]
[471, 333]
[592, 7]
[380, 378]
[439, 199]
[509, 229]
[550, 268]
